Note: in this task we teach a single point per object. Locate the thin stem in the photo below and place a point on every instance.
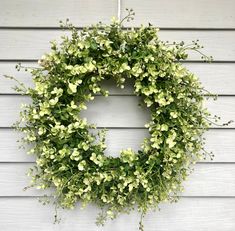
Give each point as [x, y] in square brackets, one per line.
[220, 125]
[13, 78]
[141, 225]
[129, 16]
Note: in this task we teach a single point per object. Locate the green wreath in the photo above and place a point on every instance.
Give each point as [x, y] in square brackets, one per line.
[70, 156]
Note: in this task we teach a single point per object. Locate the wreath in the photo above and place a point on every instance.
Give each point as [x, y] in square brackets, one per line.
[70, 151]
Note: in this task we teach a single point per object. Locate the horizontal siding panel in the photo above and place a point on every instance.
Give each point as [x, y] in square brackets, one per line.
[43, 13]
[6, 85]
[114, 111]
[31, 44]
[183, 13]
[194, 214]
[220, 141]
[206, 180]
[216, 43]
[162, 13]
[218, 78]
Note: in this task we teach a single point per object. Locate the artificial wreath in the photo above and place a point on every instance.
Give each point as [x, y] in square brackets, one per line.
[70, 151]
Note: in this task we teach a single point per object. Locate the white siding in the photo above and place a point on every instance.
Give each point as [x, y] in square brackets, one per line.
[44, 13]
[207, 180]
[215, 77]
[208, 202]
[183, 13]
[199, 214]
[114, 111]
[19, 44]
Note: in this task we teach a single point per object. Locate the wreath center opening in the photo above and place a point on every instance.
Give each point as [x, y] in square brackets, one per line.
[122, 114]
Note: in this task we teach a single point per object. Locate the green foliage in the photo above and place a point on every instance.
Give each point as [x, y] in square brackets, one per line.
[70, 158]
